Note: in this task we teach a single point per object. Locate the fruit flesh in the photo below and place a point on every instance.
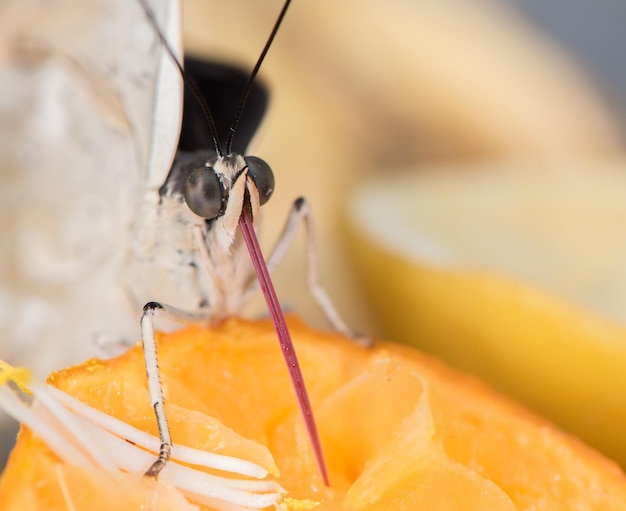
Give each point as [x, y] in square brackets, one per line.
[399, 429]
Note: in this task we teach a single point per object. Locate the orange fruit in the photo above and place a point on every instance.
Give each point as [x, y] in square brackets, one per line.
[399, 429]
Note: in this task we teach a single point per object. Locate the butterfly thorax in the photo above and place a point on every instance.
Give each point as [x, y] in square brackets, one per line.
[180, 257]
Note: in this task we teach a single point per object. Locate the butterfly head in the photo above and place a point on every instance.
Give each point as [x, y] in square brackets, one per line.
[224, 184]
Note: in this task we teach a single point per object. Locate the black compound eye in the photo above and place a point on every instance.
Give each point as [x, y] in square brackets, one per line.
[204, 193]
[263, 177]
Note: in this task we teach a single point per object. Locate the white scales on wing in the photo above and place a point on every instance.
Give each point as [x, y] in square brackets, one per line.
[82, 157]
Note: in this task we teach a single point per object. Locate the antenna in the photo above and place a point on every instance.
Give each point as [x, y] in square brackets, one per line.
[253, 74]
[188, 80]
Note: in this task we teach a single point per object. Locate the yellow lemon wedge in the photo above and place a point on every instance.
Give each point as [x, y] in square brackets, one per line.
[514, 274]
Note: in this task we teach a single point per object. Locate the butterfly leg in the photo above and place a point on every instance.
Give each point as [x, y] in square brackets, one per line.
[301, 213]
[151, 311]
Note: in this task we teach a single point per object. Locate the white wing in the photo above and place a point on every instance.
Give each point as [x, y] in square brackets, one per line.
[80, 148]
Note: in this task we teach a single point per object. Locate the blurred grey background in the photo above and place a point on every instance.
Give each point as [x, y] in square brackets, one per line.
[593, 32]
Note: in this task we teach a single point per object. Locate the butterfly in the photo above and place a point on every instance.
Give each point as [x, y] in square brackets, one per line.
[213, 198]
[170, 255]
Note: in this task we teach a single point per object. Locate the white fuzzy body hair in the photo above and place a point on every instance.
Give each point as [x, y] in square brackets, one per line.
[196, 265]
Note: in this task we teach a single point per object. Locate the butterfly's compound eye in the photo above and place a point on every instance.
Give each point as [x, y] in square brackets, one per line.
[204, 193]
[263, 177]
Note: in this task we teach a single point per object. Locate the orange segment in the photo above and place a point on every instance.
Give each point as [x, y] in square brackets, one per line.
[399, 429]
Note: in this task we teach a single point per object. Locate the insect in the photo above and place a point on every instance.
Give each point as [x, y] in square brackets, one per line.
[82, 218]
[211, 203]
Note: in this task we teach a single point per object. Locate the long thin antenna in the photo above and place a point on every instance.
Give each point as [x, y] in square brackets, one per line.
[189, 82]
[255, 71]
